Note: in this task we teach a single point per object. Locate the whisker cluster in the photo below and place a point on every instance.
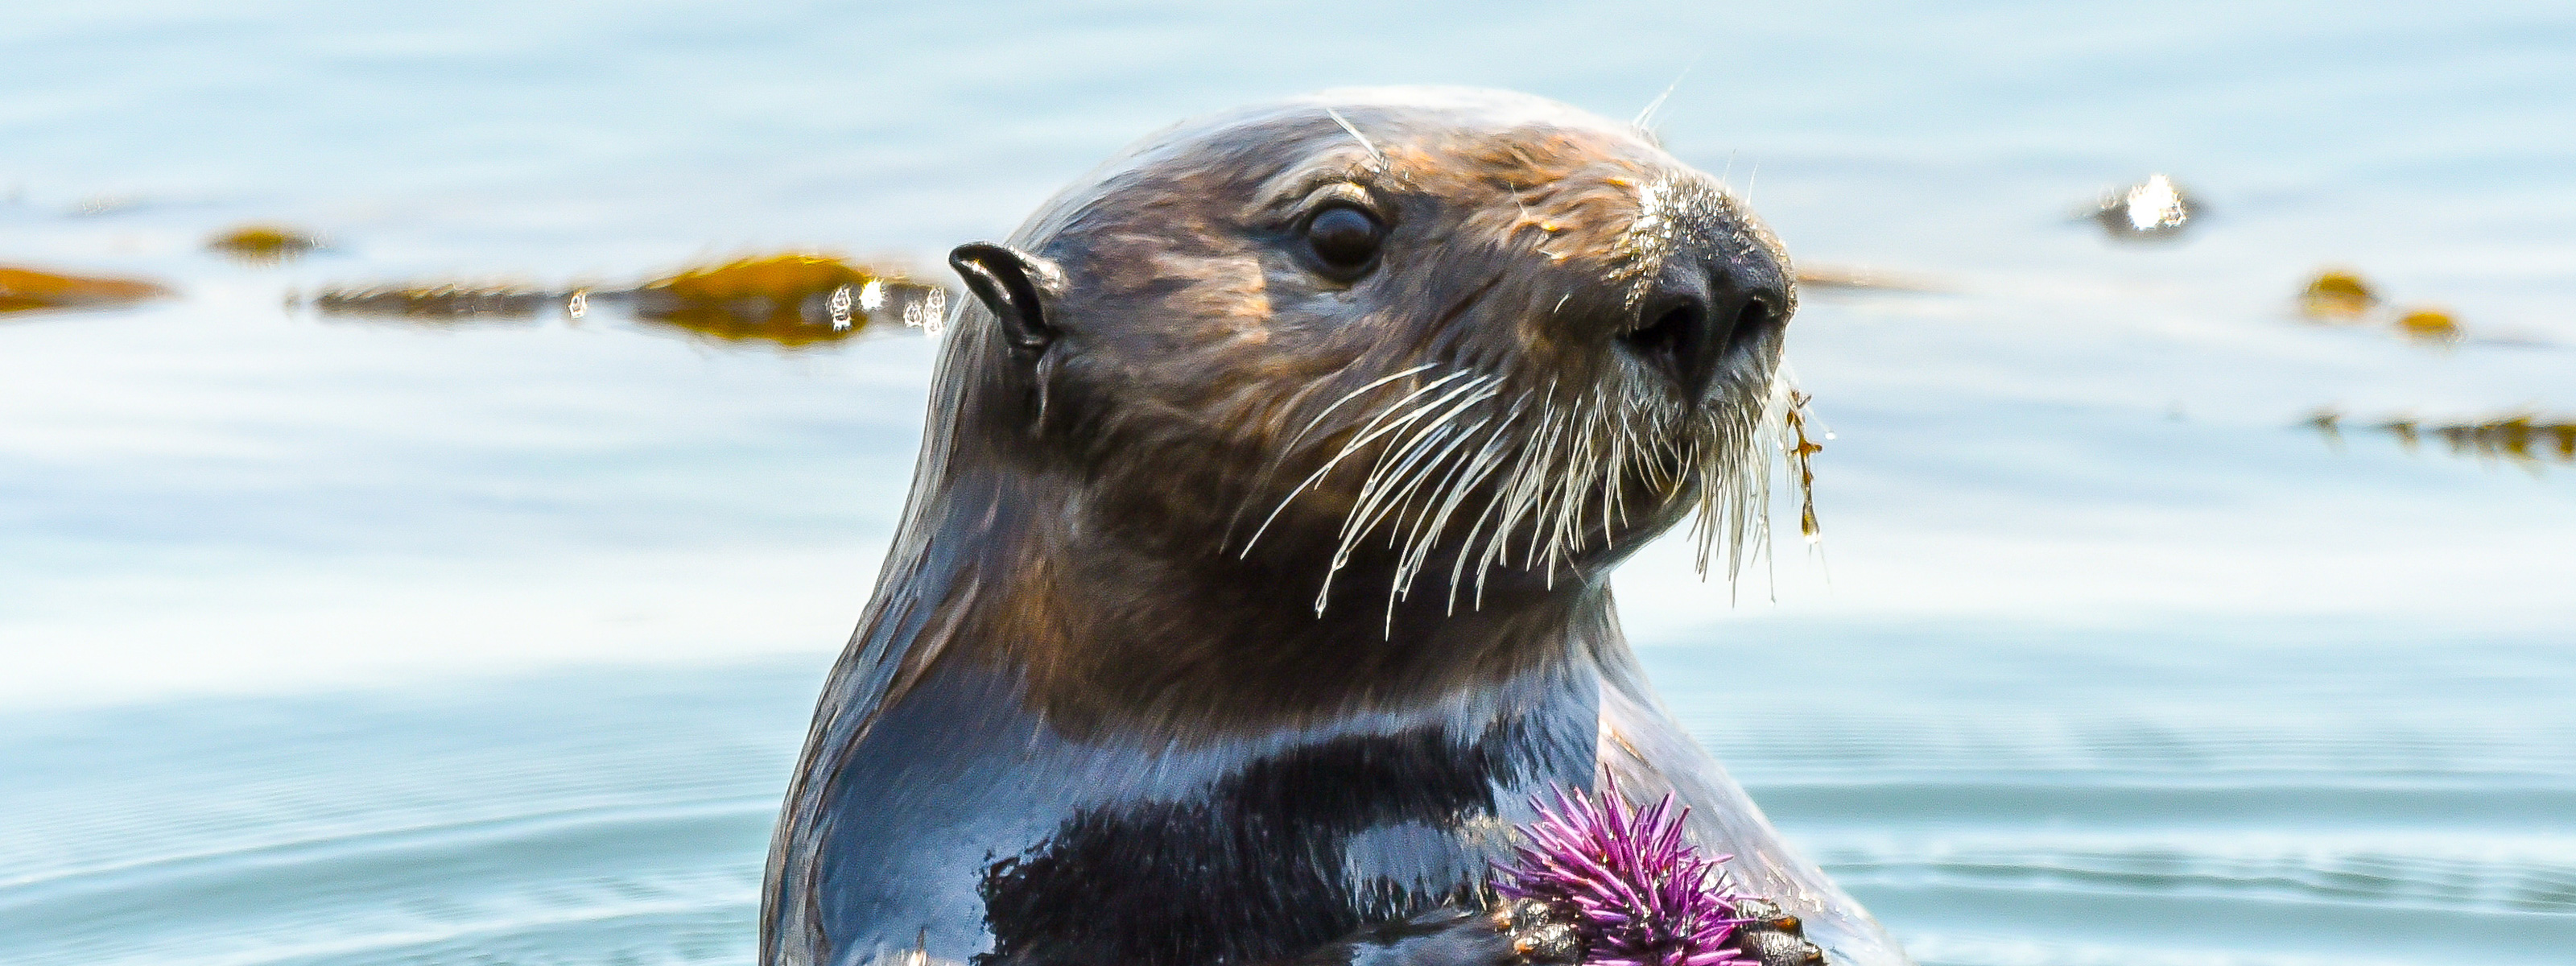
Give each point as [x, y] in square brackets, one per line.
[1540, 474]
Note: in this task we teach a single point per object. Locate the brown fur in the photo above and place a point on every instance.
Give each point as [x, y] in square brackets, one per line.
[1206, 515]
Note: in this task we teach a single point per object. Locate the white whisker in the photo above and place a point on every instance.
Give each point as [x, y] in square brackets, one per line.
[1356, 135]
[1553, 473]
[1419, 538]
[1374, 490]
[1366, 434]
[1347, 397]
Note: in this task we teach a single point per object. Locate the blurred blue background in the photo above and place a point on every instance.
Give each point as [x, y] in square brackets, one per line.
[347, 641]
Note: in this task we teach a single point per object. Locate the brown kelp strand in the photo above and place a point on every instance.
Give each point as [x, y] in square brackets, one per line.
[1869, 279]
[2425, 324]
[2518, 438]
[442, 302]
[2339, 296]
[793, 299]
[262, 244]
[28, 289]
[1801, 451]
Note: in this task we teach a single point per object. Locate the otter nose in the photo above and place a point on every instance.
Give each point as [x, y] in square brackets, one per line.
[1691, 326]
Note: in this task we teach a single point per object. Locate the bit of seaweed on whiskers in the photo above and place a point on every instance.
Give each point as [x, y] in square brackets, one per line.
[1540, 475]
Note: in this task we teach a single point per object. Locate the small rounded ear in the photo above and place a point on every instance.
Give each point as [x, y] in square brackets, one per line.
[1018, 287]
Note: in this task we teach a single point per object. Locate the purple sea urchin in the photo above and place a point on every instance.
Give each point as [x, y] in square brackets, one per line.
[1640, 896]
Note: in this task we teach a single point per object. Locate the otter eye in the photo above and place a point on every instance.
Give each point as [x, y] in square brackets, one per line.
[1344, 238]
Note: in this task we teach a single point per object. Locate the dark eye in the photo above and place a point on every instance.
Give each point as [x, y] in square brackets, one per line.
[1344, 238]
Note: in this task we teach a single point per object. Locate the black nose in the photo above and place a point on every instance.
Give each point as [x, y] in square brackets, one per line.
[1691, 328]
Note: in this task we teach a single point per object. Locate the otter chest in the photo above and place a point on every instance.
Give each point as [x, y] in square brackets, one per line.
[1004, 842]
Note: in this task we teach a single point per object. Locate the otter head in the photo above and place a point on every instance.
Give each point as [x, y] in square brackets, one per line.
[1424, 346]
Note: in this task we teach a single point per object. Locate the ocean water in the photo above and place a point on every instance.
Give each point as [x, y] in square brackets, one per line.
[335, 640]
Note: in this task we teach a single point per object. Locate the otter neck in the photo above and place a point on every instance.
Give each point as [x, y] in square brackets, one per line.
[1110, 628]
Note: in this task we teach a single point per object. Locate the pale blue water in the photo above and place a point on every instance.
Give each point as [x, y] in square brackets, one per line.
[344, 642]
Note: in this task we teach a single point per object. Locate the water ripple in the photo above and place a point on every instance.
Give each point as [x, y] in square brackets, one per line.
[2454, 875]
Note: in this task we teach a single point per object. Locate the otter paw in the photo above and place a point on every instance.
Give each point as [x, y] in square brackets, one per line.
[1774, 937]
[1541, 934]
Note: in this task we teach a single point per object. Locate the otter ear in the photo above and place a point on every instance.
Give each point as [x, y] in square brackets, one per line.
[1018, 287]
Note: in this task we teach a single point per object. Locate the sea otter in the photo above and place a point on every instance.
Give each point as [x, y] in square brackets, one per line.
[1255, 571]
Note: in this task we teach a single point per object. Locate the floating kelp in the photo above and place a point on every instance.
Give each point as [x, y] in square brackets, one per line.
[2155, 210]
[2519, 438]
[2329, 424]
[765, 288]
[2429, 325]
[26, 289]
[2336, 295]
[447, 302]
[793, 299]
[1862, 278]
[262, 244]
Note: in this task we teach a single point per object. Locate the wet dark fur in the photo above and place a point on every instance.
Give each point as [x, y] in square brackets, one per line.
[1100, 890]
[1088, 718]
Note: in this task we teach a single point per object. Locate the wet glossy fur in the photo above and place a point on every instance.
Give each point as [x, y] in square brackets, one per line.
[1178, 659]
